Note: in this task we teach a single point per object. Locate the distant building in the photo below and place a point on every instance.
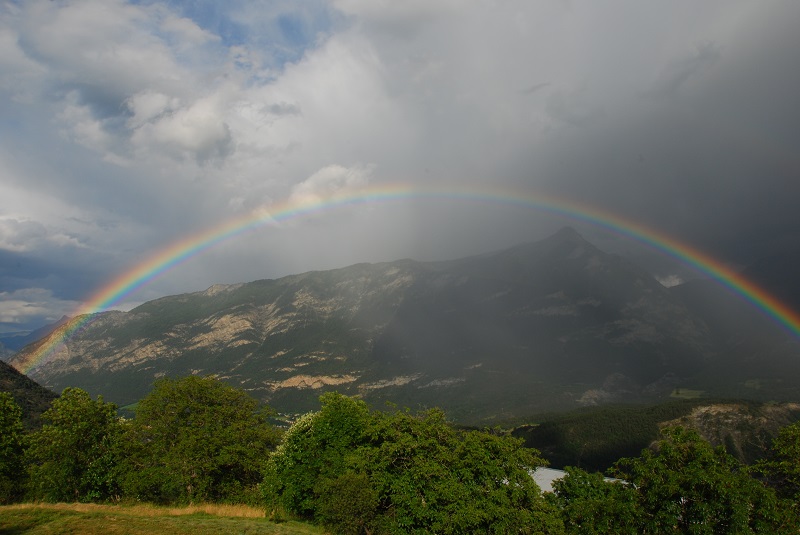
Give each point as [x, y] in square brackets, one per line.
[544, 477]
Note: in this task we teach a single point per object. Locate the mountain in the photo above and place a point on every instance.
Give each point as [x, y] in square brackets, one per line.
[541, 326]
[32, 398]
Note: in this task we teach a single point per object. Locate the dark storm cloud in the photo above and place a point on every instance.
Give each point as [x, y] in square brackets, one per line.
[71, 283]
[707, 154]
[675, 74]
[534, 88]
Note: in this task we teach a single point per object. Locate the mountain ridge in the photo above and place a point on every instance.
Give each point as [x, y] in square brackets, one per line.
[546, 325]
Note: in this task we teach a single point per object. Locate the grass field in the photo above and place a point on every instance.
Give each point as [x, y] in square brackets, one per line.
[94, 519]
[686, 393]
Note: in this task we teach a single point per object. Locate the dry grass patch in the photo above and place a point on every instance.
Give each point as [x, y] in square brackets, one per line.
[231, 511]
[205, 519]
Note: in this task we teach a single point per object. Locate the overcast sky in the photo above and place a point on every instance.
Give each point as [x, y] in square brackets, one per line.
[125, 126]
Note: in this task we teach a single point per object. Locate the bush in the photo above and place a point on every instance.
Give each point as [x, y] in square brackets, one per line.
[347, 504]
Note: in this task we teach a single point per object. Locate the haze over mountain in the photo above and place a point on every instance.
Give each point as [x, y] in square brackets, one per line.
[541, 326]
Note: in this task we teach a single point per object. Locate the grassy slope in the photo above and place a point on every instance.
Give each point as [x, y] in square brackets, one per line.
[132, 520]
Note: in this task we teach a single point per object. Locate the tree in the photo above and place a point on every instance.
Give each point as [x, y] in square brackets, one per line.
[404, 473]
[314, 449]
[591, 505]
[688, 486]
[196, 439]
[782, 468]
[72, 457]
[12, 471]
[432, 477]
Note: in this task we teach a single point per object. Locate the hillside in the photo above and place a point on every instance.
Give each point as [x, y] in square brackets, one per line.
[551, 325]
[594, 438]
[32, 398]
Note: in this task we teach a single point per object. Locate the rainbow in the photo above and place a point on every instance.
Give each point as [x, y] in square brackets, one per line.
[183, 250]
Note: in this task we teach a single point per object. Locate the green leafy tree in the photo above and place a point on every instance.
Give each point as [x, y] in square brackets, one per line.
[782, 468]
[405, 473]
[591, 505]
[433, 478]
[12, 472]
[73, 456]
[314, 448]
[196, 439]
[685, 485]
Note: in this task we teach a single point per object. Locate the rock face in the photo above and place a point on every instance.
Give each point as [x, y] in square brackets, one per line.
[541, 326]
[745, 429]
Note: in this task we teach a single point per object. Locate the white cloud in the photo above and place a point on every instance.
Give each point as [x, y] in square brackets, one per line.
[23, 235]
[186, 33]
[20, 306]
[20, 235]
[331, 181]
[399, 17]
[669, 281]
[149, 105]
[197, 131]
[81, 126]
[106, 46]
[19, 74]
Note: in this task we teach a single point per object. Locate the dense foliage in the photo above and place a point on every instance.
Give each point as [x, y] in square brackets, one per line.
[195, 439]
[783, 465]
[683, 485]
[356, 470]
[71, 458]
[589, 504]
[687, 485]
[402, 473]
[11, 448]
